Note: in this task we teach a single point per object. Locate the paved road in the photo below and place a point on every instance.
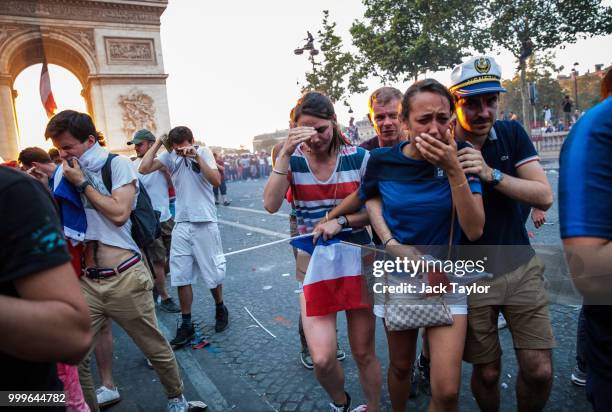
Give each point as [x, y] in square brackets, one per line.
[247, 369]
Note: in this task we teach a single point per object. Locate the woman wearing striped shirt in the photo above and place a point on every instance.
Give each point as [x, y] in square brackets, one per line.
[322, 169]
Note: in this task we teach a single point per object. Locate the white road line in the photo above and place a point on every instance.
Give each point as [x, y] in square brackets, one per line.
[253, 229]
[262, 212]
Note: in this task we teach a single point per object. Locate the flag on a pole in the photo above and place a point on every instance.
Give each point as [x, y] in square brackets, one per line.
[334, 279]
[46, 95]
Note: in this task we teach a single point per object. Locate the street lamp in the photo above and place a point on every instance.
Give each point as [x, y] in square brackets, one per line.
[575, 76]
[309, 45]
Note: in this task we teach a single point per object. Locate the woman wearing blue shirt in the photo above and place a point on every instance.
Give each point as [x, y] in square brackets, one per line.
[418, 182]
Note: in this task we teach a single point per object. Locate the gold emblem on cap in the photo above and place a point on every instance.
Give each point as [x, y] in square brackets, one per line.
[482, 65]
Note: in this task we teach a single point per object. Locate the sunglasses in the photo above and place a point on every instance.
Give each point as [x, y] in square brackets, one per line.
[194, 165]
[191, 164]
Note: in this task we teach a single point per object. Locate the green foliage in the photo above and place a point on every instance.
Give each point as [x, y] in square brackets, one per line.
[546, 23]
[543, 72]
[400, 39]
[589, 90]
[334, 73]
[543, 24]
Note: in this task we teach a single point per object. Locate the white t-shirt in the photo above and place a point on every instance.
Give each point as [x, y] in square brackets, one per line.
[157, 188]
[195, 201]
[98, 226]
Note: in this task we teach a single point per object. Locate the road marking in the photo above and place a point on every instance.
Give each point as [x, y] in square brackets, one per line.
[253, 229]
[262, 212]
[205, 388]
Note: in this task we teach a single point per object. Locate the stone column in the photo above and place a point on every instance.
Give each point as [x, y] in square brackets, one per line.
[9, 149]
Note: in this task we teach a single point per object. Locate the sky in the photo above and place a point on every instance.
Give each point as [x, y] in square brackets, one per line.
[232, 71]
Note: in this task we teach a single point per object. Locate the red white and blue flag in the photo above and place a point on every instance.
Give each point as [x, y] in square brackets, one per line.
[46, 95]
[334, 279]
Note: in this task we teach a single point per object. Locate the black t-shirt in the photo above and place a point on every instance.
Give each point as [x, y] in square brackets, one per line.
[567, 106]
[31, 241]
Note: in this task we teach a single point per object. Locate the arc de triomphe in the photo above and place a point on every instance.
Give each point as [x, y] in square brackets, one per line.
[112, 46]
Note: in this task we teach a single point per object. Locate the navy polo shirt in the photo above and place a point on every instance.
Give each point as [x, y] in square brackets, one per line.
[507, 148]
[371, 144]
[585, 210]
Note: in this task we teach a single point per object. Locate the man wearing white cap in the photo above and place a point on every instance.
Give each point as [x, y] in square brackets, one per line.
[509, 168]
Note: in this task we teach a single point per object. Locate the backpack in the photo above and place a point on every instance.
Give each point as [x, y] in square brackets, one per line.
[145, 220]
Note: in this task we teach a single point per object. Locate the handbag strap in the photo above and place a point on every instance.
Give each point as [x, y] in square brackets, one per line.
[451, 231]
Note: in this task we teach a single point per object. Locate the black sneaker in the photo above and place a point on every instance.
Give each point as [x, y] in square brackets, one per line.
[184, 335]
[414, 382]
[306, 359]
[341, 408]
[221, 318]
[169, 306]
[340, 354]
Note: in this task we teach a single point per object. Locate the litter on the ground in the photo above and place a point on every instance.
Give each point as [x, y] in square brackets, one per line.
[258, 322]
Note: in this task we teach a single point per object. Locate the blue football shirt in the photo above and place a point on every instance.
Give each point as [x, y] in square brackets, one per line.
[415, 194]
[585, 210]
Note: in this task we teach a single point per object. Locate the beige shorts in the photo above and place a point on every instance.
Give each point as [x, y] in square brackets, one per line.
[520, 296]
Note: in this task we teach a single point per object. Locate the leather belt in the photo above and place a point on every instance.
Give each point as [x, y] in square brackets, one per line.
[102, 273]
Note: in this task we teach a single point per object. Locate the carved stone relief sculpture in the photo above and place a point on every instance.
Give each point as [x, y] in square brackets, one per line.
[138, 112]
[121, 50]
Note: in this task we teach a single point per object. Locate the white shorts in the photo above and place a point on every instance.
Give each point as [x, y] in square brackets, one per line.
[196, 251]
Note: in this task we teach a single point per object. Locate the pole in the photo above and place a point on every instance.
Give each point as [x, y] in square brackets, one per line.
[525, 98]
[576, 89]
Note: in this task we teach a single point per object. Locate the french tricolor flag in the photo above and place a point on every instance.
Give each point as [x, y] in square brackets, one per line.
[46, 95]
[334, 279]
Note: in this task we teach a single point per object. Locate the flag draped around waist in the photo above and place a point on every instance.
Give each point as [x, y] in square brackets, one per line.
[335, 278]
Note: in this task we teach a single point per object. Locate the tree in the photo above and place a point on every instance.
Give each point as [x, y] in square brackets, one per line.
[549, 93]
[543, 72]
[335, 75]
[527, 26]
[588, 84]
[402, 39]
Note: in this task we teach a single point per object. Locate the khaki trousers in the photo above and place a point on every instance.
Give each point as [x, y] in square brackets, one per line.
[126, 298]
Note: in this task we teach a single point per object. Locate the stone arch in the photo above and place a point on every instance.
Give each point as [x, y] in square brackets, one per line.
[113, 48]
[30, 48]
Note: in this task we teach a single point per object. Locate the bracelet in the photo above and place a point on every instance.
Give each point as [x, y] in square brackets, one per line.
[278, 172]
[389, 240]
[461, 185]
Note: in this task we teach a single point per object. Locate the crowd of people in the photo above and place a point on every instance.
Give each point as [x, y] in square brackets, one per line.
[247, 166]
[443, 179]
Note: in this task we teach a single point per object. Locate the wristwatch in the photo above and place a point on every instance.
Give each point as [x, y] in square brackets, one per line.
[496, 177]
[342, 221]
[81, 188]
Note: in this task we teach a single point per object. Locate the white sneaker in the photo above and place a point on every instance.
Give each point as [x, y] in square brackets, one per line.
[361, 408]
[501, 321]
[178, 404]
[107, 396]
